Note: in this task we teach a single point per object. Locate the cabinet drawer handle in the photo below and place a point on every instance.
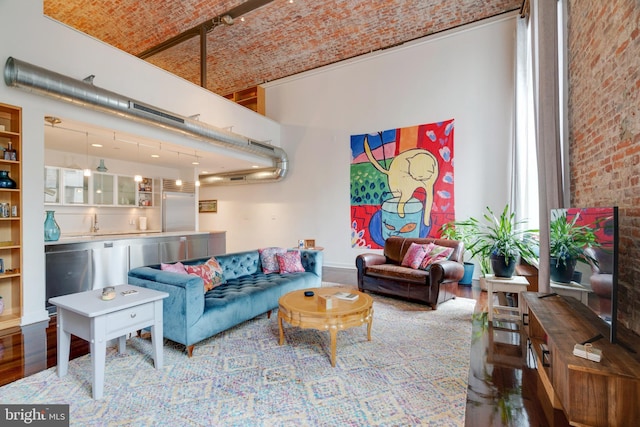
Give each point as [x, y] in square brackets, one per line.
[546, 361]
[133, 315]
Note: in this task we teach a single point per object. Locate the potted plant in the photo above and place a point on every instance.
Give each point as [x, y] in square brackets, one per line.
[503, 240]
[567, 244]
[463, 232]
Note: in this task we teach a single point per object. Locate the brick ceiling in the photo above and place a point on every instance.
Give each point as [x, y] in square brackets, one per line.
[279, 39]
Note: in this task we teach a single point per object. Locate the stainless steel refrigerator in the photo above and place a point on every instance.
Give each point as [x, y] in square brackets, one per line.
[178, 207]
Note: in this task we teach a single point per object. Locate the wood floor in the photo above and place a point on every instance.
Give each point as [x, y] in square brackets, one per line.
[503, 388]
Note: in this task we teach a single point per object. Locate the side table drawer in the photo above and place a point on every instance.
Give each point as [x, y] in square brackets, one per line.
[129, 317]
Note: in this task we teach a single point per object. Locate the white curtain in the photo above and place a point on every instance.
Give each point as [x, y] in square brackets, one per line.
[538, 171]
[524, 191]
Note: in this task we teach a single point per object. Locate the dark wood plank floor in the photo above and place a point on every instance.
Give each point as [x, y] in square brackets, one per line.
[503, 389]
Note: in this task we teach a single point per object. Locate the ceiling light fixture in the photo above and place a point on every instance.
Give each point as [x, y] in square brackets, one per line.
[52, 120]
[226, 19]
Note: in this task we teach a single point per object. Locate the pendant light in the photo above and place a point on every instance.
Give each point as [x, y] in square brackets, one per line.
[138, 178]
[87, 171]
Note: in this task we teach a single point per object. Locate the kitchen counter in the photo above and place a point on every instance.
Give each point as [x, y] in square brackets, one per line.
[80, 262]
[121, 235]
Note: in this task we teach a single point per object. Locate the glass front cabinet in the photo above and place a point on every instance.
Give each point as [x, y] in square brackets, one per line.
[63, 186]
[103, 189]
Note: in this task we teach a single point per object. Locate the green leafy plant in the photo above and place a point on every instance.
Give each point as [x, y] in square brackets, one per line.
[568, 240]
[502, 235]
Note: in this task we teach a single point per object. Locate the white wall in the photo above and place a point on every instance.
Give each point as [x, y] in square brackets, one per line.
[466, 74]
[29, 36]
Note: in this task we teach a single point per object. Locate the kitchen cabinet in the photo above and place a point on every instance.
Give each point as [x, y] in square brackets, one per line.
[173, 250]
[109, 264]
[67, 271]
[197, 246]
[51, 185]
[103, 192]
[143, 253]
[11, 226]
[106, 189]
[75, 187]
[126, 190]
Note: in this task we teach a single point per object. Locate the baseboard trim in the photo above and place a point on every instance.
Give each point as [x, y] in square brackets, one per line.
[346, 276]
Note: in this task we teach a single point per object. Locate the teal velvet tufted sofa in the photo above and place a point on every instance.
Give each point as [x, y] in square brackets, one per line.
[190, 315]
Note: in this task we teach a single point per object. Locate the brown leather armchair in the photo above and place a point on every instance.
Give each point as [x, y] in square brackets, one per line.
[384, 273]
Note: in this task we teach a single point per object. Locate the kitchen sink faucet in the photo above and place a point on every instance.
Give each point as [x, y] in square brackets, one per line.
[95, 227]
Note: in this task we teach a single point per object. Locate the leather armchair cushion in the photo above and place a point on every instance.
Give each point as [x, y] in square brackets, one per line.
[398, 272]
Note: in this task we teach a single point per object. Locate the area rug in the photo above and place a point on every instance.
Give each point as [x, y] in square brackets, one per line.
[413, 372]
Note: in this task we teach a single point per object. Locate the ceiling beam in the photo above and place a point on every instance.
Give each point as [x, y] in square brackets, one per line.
[203, 27]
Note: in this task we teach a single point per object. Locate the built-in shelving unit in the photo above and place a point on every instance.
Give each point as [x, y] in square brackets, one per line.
[11, 223]
[145, 192]
[604, 393]
[252, 98]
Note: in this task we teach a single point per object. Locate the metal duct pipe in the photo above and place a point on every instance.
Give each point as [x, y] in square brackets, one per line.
[39, 80]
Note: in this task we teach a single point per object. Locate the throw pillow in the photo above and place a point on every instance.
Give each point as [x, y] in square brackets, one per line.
[436, 253]
[268, 259]
[290, 262]
[415, 254]
[178, 267]
[210, 272]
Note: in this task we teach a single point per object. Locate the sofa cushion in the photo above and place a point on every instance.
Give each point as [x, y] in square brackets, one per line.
[290, 262]
[268, 259]
[415, 254]
[178, 267]
[436, 253]
[210, 272]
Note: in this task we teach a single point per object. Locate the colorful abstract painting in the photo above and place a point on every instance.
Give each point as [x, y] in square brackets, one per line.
[401, 183]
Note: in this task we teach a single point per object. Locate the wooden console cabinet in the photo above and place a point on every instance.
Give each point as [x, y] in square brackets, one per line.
[605, 393]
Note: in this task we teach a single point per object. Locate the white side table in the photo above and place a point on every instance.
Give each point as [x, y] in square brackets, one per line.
[87, 316]
[573, 289]
[514, 284]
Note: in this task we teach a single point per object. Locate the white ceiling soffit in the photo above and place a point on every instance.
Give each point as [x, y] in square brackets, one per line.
[39, 80]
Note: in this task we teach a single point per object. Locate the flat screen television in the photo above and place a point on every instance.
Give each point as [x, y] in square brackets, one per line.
[598, 271]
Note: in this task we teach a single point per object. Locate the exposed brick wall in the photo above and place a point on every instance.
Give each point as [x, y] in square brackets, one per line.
[277, 40]
[604, 121]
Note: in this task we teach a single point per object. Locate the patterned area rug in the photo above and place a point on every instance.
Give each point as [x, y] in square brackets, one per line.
[413, 372]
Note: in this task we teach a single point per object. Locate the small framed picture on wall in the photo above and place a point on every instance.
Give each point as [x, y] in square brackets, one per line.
[205, 206]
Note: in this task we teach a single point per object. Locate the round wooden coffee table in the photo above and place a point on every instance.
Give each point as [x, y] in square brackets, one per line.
[307, 312]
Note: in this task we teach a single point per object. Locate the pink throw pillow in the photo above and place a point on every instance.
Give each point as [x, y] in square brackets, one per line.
[290, 262]
[210, 272]
[436, 253]
[268, 259]
[178, 267]
[415, 254]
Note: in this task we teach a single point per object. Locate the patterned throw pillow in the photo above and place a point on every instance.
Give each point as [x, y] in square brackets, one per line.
[290, 262]
[415, 254]
[268, 259]
[178, 267]
[210, 272]
[435, 254]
